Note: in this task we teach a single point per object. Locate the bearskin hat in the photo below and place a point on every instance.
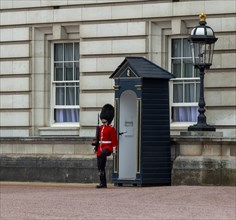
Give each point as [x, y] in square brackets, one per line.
[107, 113]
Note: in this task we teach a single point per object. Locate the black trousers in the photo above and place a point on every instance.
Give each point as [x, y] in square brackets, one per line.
[101, 164]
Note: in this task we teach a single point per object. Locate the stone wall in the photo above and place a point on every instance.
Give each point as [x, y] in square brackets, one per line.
[204, 160]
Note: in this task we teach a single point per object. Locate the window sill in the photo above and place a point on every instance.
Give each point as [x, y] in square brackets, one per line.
[59, 131]
[177, 127]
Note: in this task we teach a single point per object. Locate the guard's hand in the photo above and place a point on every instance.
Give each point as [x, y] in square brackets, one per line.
[94, 142]
[114, 150]
[94, 149]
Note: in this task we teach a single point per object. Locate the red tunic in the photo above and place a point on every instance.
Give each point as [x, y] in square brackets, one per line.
[107, 138]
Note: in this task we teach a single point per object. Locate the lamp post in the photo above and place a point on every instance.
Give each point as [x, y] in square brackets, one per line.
[202, 40]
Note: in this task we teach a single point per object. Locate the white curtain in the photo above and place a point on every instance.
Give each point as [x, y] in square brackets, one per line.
[184, 114]
[66, 115]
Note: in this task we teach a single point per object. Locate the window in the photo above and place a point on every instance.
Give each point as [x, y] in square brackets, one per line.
[66, 82]
[186, 85]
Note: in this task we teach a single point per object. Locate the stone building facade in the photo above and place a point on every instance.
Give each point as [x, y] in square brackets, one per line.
[49, 102]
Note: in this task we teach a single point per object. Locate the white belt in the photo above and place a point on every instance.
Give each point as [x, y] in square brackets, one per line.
[104, 142]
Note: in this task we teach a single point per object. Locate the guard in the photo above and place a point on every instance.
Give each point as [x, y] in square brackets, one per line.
[106, 142]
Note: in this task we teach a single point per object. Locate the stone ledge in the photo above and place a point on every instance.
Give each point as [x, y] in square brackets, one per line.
[223, 140]
[79, 169]
[46, 139]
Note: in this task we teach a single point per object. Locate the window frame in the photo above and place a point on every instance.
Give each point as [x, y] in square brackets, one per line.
[53, 105]
[179, 124]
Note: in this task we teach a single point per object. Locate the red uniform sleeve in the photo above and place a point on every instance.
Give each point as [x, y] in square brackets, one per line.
[114, 139]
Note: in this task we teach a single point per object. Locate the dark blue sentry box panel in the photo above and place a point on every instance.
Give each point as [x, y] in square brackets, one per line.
[143, 123]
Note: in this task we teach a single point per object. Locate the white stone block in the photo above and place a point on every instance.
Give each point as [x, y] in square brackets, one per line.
[137, 28]
[14, 84]
[14, 118]
[63, 149]
[96, 82]
[39, 65]
[12, 132]
[96, 47]
[14, 67]
[108, 64]
[95, 100]
[127, 11]
[40, 16]
[25, 3]
[89, 30]
[84, 149]
[226, 60]
[39, 118]
[113, 29]
[129, 46]
[69, 14]
[228, 24]
[220, 79]
[225, 42]
[223, 97]
[6, 148]
[188, 8]
[39, 99]
[220, 7]
[13, 51]
[6, 4]
[9, 18]
[211, 150]
[105, 64]
[88, 65]
[222, 24]
[44, 149]
[108, 30]
[23, 149]
[53, 3]
[221, 116]
[190, 149]
[96, 13]
[14, 101]
[14, 34]
[157, 10]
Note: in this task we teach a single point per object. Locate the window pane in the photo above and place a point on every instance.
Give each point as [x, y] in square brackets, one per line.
[189, 92]
[58, 52]
[76, 69]
[178, 93]
[176, 68]
[176, 48]
[196, 72]
[68, 71]
[70, 95]
[68, 52]
[58, 72]
[60, 95]
[76, 52]
[187, 48]
[187, 68]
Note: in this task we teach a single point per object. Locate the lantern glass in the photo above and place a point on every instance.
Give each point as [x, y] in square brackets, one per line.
[202, 53]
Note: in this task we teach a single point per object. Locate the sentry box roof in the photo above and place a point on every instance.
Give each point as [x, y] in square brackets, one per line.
[140, 67]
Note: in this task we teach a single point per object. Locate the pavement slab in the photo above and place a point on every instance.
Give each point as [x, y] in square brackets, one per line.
[52, 201]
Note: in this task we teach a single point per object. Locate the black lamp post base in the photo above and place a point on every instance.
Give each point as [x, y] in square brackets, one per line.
[201, 127]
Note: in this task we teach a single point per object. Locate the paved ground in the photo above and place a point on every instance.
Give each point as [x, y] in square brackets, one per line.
[43, 201]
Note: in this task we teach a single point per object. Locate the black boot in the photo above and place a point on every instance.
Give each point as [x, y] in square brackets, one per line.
[103, 182]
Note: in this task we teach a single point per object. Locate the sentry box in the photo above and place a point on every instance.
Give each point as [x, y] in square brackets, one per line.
[143, 123]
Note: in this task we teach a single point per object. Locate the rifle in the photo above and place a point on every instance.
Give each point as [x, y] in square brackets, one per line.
[95, 142]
